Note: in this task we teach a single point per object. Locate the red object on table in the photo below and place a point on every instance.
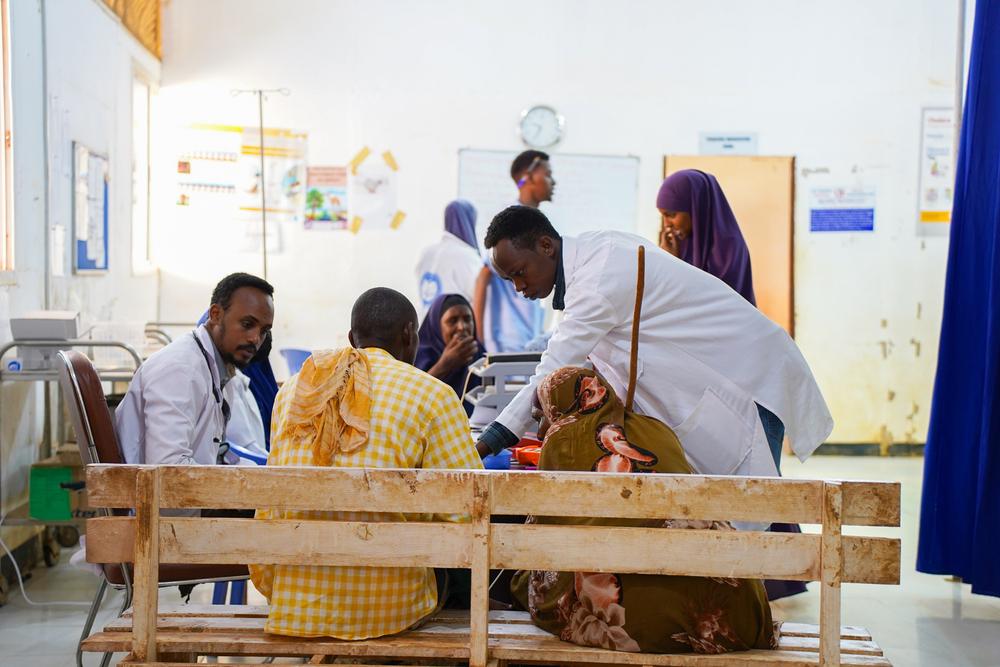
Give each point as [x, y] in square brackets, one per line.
[528, 451]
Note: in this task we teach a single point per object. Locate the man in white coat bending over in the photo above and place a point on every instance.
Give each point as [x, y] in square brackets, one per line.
[176, 410]
[706, 356]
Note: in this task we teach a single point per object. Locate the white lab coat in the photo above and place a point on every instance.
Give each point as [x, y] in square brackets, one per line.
[245, 427]
[169, 415]
[450, 266]
[705, 355]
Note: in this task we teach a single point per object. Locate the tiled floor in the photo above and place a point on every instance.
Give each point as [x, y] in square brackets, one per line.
[927, 621]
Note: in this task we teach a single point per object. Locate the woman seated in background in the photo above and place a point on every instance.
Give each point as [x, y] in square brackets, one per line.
[448, 343]
[586, 428]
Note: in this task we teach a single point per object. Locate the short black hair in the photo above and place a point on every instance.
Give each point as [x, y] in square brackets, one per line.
[380, 314]
[523, 225]
[223, 292]
[524, 161]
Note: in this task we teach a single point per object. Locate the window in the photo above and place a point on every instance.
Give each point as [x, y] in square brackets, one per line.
[141, 250]
[6, 164]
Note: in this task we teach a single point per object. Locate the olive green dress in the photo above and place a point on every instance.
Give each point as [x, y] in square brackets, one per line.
[591, 431]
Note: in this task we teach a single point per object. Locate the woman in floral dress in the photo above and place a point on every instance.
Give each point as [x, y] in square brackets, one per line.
[586, 428]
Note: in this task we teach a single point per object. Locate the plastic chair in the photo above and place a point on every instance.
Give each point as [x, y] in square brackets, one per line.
[295, 357]
[84, 397]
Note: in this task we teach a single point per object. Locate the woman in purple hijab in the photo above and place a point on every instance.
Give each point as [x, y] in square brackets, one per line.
[700, 228]
[448, 344]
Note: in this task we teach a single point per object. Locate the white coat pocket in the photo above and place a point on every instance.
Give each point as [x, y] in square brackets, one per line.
[716, 439]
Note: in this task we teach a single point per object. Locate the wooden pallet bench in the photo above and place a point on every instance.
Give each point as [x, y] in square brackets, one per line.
[154, 635]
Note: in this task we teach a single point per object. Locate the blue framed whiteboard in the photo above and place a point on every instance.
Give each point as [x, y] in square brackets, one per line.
[90, 210]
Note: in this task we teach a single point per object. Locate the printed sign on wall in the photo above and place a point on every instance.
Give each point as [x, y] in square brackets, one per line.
[841, 209]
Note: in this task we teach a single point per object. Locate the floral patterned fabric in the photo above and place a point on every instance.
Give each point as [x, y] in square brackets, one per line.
[589, 430]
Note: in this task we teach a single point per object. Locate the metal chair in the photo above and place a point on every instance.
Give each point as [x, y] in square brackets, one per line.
[95, 435]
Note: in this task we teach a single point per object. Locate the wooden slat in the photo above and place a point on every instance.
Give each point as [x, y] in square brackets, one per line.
[291, 487]
[832, 571]
[514, 546]
[147, 540]
[871, 560]
[790, 629]
[705, 553]
[556, 651]
[479, 606]
[847, 646]
[233, 625]
[533, 649]
[208, 610]
[454, 616]
[690, 552]
[656, 496]
[517, 493]
[689, 497]
[253, 611]
[224, 643]
[870, 503]
[238, 541]
[795, 636]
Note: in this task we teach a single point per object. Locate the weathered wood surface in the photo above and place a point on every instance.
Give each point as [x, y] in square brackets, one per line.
[512, 546]
[482, 637]
[517, 493]
[832, 560]
[506, 641]
[145, 579]
[239, 541]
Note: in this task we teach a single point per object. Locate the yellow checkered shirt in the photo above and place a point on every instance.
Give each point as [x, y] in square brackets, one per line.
[417, 421]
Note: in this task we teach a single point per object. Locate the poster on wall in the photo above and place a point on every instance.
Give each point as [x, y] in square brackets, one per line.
[842, 209]
[284, 173]
[326, 198]
[219, 177]
[372, 192]
[90, 210]
[937, 173]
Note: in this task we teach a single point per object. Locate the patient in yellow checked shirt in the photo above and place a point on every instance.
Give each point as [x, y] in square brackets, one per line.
[389, 415]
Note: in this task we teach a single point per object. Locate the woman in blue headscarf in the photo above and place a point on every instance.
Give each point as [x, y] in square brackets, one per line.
[451, 265]
[448, 343]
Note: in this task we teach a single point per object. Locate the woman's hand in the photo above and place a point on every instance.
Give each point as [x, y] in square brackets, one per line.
[669, 240]
[458, 353]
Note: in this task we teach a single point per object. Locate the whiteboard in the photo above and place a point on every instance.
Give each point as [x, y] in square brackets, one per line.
[593, 192]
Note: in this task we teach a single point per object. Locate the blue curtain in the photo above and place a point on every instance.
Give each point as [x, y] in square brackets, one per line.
[960, 512]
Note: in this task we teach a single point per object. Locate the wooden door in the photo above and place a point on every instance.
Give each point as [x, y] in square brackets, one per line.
[761, 192]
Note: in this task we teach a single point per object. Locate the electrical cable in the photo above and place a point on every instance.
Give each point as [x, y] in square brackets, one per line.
[20, 581]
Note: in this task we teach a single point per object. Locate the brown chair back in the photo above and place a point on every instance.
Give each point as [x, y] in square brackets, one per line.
[88, 409]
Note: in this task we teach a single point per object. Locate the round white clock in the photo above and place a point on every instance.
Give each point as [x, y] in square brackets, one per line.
[541, 126]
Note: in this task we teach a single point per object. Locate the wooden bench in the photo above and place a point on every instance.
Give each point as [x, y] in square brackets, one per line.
[481, 636]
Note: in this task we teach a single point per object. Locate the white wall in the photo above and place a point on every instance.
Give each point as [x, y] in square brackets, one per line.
[90, 59]
[837, 83]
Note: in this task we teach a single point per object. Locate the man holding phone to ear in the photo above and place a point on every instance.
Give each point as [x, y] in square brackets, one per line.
[505, 321]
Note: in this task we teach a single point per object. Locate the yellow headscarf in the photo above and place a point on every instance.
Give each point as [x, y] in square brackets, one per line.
[331, 404]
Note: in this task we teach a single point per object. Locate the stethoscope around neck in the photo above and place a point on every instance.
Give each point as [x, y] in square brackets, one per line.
[216, 389]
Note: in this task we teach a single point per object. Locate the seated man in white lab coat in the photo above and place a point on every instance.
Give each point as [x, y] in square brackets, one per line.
[706, 356]
[175, 411]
